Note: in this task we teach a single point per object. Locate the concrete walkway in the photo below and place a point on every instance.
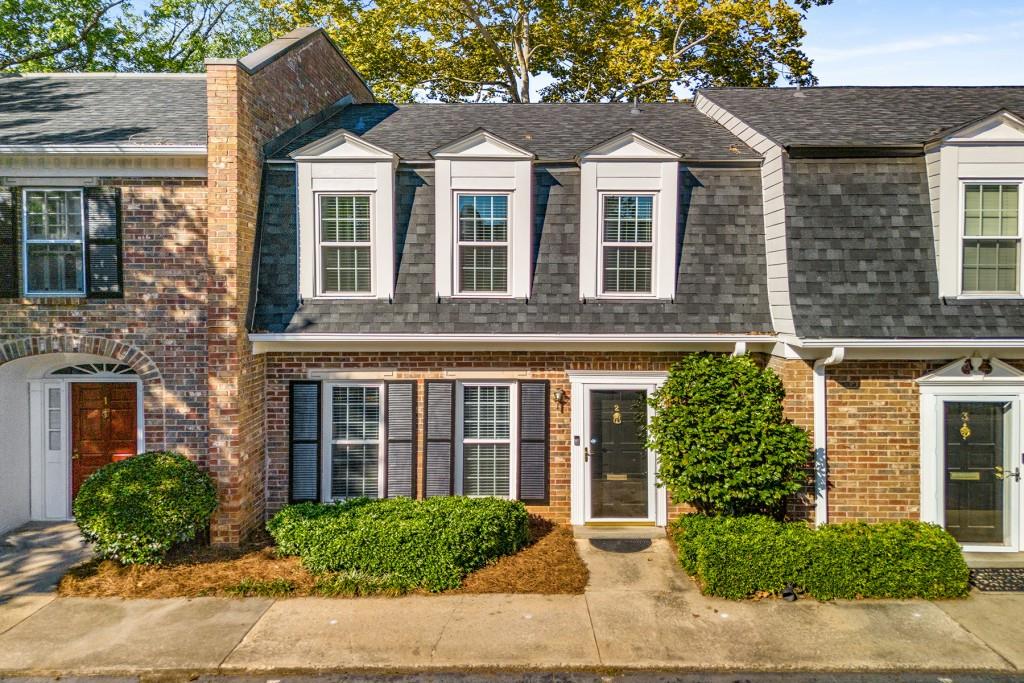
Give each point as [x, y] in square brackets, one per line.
[640, 611]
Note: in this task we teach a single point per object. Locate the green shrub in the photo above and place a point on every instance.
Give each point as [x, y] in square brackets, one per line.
[257, 588]
[134, 510]
[723, 445]
[410, 544]
[736, 557]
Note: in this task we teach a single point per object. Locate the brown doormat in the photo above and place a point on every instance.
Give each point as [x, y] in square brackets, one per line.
[998, 580]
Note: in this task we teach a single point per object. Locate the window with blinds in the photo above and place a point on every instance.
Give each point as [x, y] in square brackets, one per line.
[991, 238]
[345, 244]
[54, 242]
[355, 448]
[627, 244]
[487, 429]
[483, 244]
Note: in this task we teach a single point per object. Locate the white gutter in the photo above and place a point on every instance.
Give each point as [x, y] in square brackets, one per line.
[821, 434]
[1013, 343]
[112, 148]
[733, 339]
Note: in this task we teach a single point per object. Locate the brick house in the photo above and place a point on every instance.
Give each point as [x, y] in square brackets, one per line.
[318, 296]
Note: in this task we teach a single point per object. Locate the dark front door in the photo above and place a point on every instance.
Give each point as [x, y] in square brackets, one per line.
[102, 426]
[617, 455]
[975, 480]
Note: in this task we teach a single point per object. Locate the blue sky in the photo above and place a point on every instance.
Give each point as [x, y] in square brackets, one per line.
[917, 42]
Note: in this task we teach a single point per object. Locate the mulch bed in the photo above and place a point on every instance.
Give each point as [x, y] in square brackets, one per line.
[549, 565]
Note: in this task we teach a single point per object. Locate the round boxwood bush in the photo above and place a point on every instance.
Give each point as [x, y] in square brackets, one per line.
[136, 509]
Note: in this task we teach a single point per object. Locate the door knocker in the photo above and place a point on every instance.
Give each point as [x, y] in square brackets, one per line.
[616, 414]
[965, 431]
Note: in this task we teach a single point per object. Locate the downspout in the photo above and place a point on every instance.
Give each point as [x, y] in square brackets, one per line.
[821, 434]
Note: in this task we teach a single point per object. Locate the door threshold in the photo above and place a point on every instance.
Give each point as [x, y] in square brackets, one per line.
[618, 531]
[600, 523]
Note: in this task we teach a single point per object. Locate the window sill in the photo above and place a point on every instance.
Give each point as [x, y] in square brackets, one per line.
[995, 296]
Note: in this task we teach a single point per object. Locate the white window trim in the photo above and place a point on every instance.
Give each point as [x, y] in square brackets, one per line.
[25, 243]
[962, 237]
[513, 441]
[328, 440]
[601, 244]
[320, 244]
[457, 243]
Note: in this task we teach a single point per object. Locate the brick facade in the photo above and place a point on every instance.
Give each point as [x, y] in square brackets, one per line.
[246, 109]
[158, 327]
[548, 365]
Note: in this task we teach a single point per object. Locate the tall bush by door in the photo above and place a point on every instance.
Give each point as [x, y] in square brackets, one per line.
[135, 510]
[723, 445]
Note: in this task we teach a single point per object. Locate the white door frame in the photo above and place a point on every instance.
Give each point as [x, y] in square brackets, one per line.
[50, 497]
[1003, 384]
[581, 383]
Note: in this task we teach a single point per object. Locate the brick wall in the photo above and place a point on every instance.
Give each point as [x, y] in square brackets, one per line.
[550, 365]
[797, 378]
[158, 327]
[247, 109]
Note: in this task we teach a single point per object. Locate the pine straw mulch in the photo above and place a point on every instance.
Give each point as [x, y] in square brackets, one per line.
[548, 565]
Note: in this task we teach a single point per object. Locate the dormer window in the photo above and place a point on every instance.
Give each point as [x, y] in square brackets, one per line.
[976, 173]
[346, 198]
[345, 244]
[483, 196]
[991, 238]
[628, 219]
[483, 243]
[627, 243]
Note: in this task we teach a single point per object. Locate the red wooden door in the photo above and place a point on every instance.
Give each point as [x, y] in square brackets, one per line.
[102, 426]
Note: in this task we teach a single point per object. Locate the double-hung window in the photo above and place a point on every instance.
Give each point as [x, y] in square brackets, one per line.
[487, 439]
[354, 462]
[345, 244]
[627, 244]
[54, 240]
[991, 238]
[483, 243]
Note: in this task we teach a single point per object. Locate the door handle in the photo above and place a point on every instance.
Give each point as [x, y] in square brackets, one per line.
[1002, 474]
[586, 454]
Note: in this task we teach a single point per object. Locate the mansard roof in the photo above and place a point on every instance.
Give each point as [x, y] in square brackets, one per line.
[552, 132]
[862, 116]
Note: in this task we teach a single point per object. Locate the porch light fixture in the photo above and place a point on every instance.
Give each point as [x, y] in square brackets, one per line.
[559, 396]
[986, 367]
[968, 367]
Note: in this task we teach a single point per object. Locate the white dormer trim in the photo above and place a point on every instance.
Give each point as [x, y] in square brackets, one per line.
[987, 150]
[343, 163]
[483, 163]
[953, 374]
[629, 164]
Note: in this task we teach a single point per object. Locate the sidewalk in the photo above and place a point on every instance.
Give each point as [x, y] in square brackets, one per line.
[639, 611]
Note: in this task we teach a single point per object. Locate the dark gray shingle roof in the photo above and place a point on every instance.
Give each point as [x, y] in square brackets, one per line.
[89, 109]
[862, 116]
[721, 282]
[862, 256]
[554, 132]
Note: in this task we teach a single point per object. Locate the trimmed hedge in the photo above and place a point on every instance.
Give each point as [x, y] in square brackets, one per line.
[136, 509]
[430, 543]
[736, 557]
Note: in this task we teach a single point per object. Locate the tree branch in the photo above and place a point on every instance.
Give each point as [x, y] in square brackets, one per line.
[55, 50]
[503, 61]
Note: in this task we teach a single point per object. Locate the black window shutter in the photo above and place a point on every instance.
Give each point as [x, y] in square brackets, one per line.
[103, 268]
[440, 438]
[534, 417]
[9, 284]
[400, 457]
[304, 441]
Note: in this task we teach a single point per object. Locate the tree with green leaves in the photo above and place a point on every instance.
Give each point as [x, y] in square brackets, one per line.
[591, 50]
[723, 444]
[101, 35]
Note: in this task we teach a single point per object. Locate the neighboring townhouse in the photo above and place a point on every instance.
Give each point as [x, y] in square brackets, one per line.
[893, 233]
[127, 213]
[329, 297]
